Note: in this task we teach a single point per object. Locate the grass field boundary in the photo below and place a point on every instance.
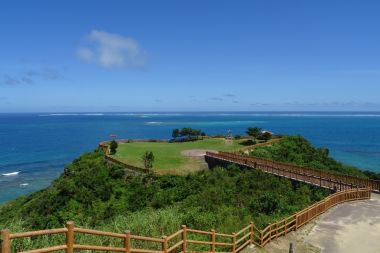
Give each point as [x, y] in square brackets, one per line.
[258, 145]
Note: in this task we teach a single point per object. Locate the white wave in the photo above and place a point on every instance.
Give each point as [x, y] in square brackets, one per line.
[145, 115]
[279, 114]
[320, 115]
[24, 184]
[58, 114]
[11, 174]
[154, 123]
[71, 114]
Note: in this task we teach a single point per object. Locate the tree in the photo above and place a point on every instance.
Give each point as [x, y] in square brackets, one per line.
[175, 133]
[113, 147]
[148, 159]
[191, 133]
[187, 131]
[254, 131]
[266, 136]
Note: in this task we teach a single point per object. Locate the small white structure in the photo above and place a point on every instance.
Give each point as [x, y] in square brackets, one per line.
[229, 138]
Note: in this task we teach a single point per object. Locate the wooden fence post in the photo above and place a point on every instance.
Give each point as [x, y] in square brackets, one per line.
[213, 240]
[5, 241]
[165, 244]
[276, 230]
[127, 241]
[70, 237]
[251, 231]
[270, 233]
[233, 242]
[184, 238]
[286, 226]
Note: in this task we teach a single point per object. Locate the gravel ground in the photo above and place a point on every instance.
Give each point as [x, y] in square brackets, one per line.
[349, 228]
[196, 152]
[352, 227]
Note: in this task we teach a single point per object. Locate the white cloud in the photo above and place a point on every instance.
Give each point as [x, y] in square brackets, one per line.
[112, 50]
[85, 53]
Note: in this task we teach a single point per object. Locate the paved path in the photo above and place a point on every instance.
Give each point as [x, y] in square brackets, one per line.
[349, 228]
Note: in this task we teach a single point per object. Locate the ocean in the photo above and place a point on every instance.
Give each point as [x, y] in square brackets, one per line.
[35, 147]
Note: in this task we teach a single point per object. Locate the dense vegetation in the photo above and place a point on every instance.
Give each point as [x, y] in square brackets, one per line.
[299, 151]
[258, 133]
[188, 132]
[98, 195]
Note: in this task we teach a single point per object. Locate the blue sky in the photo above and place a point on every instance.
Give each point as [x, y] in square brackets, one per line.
[65, 56]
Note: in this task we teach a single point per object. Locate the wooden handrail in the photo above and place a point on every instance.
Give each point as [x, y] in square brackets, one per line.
[244, 229]
[100, 233]
[39, 233]
[49, 249]
[174, 235]
[199, 231]
[144, 238]
[98, 248]
[175, 246]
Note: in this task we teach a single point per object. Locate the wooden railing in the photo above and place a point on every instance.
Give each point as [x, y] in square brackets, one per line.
[184, 240]
[316, 177]
[126, 165]
[301, 218]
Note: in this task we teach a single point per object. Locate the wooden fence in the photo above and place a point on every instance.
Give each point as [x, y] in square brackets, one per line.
[183, 240]
[126, 165]
[316, 177]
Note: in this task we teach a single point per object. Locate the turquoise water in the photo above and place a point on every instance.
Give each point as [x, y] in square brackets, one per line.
[35, 147]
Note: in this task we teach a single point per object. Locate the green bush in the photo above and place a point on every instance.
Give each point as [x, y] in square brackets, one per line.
[299, 151]
[113, 147]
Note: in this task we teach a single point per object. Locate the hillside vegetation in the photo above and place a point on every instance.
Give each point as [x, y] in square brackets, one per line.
[299, 151]
[97, 195]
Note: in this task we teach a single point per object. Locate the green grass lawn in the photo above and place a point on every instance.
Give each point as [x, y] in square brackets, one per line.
[168, 158]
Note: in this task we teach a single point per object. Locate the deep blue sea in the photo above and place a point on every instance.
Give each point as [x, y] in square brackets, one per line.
[35, 147]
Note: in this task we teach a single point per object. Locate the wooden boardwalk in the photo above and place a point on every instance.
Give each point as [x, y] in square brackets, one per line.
[324, 179]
